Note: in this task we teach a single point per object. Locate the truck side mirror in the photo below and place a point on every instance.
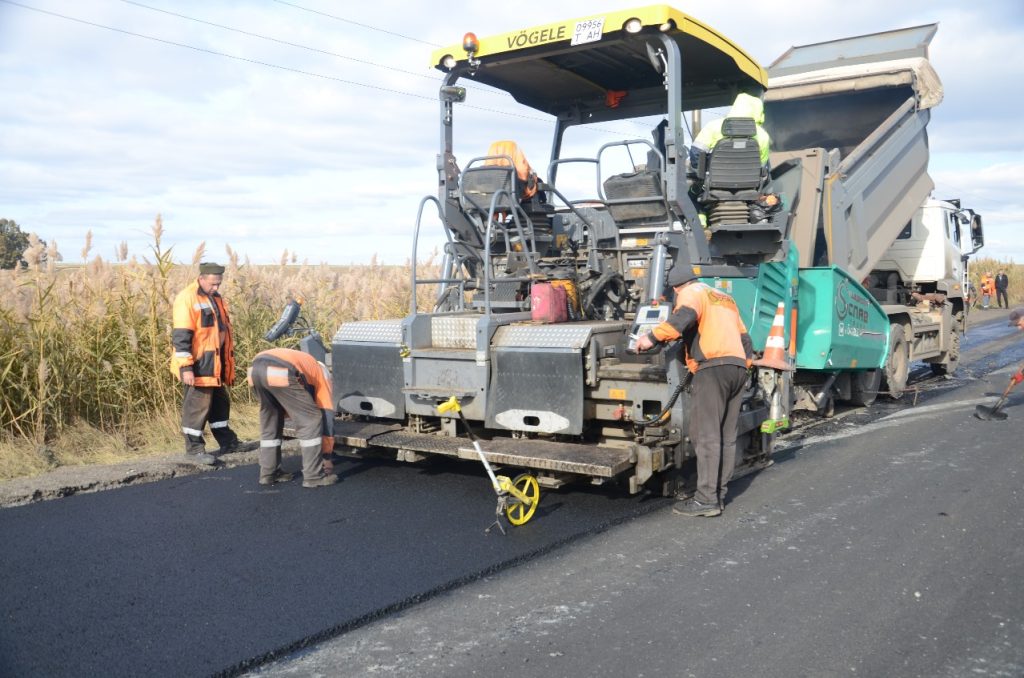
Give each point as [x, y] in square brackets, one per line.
[977, 233]
[969, 216]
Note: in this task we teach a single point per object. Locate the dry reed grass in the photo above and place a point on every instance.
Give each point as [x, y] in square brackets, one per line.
[84, 349]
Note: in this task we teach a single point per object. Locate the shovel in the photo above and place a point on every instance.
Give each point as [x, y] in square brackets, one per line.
[990, 413]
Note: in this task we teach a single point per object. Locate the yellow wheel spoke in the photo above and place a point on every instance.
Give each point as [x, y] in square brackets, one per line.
[527, 496]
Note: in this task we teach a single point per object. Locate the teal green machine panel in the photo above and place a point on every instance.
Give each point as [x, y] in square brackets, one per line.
[840, 325]
[758, 298]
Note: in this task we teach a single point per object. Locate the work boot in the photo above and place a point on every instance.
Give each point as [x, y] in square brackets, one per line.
[322, 481]
[694, 508]
[279, 476]
[232, 445]
[203, 458]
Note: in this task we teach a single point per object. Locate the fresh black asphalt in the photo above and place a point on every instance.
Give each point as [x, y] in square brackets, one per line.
[212, 574]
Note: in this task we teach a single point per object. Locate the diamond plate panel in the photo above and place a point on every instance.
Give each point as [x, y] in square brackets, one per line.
[370, 331]
[368, 379]
[453, 332]
[536, 391]
[542, 336]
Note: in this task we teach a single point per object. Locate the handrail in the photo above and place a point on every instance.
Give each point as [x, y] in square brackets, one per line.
[530, 255]
[626, 143]
[416, 240]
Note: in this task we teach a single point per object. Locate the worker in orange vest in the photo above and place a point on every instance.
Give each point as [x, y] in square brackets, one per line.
[293, 382]
[988, 289]
[718, 352]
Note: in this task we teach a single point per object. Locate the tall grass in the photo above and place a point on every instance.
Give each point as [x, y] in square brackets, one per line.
[84, 349]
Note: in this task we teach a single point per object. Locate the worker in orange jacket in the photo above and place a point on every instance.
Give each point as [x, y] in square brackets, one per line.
[204, 359]
[718, 352]
[988, 289]
[293, 382]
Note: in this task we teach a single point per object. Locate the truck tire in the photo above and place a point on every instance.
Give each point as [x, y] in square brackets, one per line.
[950, 359]
[864, 387]
[897, 365]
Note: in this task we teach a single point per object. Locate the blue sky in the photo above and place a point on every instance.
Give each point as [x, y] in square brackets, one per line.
[325, 146]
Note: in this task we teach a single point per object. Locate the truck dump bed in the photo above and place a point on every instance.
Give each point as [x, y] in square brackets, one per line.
[848, 125]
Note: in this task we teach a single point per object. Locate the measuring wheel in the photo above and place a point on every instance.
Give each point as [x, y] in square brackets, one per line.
[524, 495]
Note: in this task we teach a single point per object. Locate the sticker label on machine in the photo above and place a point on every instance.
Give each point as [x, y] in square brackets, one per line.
[586, 31]
[852, 312]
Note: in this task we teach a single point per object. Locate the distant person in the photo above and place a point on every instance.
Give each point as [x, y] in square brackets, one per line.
[204, 360]
[293, 382]
[718, 351]
[1002, 284]
[988, 289]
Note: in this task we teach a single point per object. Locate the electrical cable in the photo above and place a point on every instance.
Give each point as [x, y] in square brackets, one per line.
[216, 53]
[272, 65]
[356, 23]
[279, 41]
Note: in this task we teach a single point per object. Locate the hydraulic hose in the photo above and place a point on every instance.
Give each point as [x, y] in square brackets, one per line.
[668, 406]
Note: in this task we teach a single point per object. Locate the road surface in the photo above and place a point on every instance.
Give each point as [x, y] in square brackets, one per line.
[883, 542]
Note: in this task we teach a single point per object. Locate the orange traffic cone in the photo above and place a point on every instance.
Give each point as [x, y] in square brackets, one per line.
[775, 348]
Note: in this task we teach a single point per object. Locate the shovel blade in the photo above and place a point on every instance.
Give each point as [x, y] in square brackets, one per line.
[989, 413]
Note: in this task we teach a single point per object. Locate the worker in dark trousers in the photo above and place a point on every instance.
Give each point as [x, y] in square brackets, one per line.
[718, 352]
[293, 382]
[1002, 284]
[203, 359]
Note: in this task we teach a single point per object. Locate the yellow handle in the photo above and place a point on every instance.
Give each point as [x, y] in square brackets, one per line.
[450, 405]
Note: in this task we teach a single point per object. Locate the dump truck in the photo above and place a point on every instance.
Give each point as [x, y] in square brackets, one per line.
[544, 281]
[854, 113]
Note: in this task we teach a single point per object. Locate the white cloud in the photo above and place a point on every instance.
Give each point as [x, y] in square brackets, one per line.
[103, 130]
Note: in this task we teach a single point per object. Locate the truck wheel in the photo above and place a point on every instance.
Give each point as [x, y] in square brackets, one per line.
[950, 359]
[864, 387]
[897, 365]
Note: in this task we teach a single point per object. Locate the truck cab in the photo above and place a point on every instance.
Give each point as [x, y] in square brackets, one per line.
[929, 255]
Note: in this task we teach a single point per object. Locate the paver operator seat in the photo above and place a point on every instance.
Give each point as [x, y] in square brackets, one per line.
[732, 173]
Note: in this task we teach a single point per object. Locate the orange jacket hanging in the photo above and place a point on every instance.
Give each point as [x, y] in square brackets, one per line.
[201, 337]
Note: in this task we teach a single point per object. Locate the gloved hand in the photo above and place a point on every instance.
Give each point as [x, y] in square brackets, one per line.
[1018, 377]
[644, 343]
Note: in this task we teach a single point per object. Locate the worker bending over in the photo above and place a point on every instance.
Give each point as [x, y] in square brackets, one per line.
[718, 352]
[293, 382]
